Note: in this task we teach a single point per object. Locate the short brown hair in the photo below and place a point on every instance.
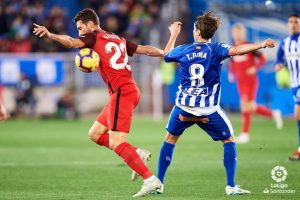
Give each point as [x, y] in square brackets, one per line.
[293, 15]
[208, 24]
[87, 15]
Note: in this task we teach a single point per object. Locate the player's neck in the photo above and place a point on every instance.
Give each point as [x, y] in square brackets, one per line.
[296, 33]
[201, 40]
[96, 28]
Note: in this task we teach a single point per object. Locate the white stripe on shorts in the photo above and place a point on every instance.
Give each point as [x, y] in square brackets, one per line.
[223, 115]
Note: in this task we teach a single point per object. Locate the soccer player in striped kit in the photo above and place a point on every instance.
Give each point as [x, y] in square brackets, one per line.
[244, 69]
[199, 94]
[289, 53]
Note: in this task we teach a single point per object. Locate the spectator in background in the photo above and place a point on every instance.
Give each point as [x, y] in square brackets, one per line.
[20, 44]
[56, 21]
[3, 21]
[112, 25]
[66, 106]
[129, 18]
[25, 96]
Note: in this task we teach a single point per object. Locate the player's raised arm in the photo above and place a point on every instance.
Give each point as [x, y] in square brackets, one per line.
[246, 48]
[156, 52]
[174, 28]
[280, 58]
[65, 40]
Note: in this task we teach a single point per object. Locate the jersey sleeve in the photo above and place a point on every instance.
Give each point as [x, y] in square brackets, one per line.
[131, 48]
[280, 53]
[88, 39]
[222, 51]
[173, 55]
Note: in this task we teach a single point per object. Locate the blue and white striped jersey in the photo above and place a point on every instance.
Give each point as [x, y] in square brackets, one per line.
[200, 69]
[289, 53]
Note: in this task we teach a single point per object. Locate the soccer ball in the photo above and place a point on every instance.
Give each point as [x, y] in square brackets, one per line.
[87, 60]
[283, 78]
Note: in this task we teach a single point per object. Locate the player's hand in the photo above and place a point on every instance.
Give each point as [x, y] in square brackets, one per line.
[4, 115]
[268, 43]
[175, 28]
[41, 31]
[278, 67]
[230, 77]
[251, 70]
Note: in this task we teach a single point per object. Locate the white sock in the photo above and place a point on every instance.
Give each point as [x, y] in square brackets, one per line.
[148, 180]
[298, 149]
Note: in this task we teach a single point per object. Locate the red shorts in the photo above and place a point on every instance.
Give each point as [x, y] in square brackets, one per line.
[117, 114]
[247, 91]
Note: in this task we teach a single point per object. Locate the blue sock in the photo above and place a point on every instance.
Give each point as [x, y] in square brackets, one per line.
[298, 122]
[165, 158]
[230, 162]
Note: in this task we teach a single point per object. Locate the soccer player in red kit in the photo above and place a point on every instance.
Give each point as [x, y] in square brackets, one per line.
[113, 123]
[4, 115]
[244, 68]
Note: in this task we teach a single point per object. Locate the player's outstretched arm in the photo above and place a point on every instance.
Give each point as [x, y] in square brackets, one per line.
[156, 52]
[149, 51]
[65, 40]
[4, 115]
[174, 28]
[246, 48]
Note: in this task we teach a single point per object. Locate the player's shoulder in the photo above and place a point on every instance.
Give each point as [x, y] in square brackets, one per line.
[218, 45]
[183, 47]
[108, 35]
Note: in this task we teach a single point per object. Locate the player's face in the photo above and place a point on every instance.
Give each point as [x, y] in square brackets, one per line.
[83, 28]
[238, 34]
[294, 25]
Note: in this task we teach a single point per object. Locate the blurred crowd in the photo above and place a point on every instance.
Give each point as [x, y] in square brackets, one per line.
[129, 18]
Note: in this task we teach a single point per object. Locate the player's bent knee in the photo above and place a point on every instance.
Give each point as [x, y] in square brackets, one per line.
[231, 139]
[170, 138]
[93, 135]
[116, 138]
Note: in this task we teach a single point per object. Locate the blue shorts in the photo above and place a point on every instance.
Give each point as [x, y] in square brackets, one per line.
[217, 125]
[296, 94]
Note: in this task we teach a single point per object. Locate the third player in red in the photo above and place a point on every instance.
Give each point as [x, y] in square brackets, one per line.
[244, 69]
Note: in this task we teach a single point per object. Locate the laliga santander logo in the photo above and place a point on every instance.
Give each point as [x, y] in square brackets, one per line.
[279, 174]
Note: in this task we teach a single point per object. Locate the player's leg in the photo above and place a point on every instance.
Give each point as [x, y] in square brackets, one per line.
[98, 133]
[246, 117]
[296, 154]
[263, 110]
[220, 129]
[165, 157]
[120, 109]
[175, 128]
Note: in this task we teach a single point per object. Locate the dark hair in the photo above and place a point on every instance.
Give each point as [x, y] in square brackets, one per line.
[294, 15]
[208, 24]
[87, 15]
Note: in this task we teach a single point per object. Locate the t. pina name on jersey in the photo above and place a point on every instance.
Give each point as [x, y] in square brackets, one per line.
[196, 55]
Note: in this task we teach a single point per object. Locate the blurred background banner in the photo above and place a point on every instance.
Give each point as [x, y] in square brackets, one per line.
[45, 71]
[144, 22]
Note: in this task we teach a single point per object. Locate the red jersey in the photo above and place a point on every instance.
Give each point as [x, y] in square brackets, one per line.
[240, 64]
[113, 52]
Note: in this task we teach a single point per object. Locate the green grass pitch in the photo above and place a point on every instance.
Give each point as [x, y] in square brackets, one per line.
[51, 159]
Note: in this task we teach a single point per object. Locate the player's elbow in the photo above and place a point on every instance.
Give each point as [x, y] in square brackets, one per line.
[69, 44]
[235, 52]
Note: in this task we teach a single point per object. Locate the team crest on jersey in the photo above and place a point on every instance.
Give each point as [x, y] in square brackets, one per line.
[198, 47]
